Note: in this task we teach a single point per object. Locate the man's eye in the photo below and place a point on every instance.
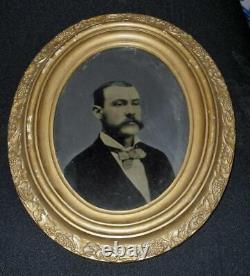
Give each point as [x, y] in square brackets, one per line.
[136, 103]
[118, 103]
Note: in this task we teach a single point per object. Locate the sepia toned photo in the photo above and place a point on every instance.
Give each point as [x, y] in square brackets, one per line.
[121, 133]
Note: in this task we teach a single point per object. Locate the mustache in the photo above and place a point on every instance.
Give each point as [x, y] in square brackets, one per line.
[131, 120]
[126, 122]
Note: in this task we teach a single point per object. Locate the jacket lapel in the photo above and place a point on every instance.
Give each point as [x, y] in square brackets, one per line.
[114, 178]
[156, 176]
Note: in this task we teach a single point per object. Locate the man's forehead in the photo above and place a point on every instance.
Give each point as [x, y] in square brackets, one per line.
[120, 92]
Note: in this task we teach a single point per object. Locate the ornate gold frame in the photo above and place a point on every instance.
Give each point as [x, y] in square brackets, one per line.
[183, 208]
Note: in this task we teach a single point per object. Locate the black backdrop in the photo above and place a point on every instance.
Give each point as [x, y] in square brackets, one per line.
[221, 247]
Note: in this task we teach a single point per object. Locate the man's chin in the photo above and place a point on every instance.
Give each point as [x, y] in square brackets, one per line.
[129, 130]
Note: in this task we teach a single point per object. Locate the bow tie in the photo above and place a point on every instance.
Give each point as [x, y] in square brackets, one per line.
[127, 157]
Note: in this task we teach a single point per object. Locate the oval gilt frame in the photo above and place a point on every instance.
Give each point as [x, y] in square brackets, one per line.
[184, 207]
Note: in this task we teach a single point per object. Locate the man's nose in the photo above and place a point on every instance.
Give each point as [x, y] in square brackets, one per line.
[130, 110]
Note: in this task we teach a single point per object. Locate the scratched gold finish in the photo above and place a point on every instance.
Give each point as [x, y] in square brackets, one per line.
[185, 206]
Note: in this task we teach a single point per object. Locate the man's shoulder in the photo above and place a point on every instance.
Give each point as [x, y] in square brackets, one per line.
[86, 155]
[82, 162]
[152, 150]
[156, 157]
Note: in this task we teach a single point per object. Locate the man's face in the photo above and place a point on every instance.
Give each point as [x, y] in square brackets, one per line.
[122, 110]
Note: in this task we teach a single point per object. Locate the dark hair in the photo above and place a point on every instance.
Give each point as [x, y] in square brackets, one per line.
[99, 92]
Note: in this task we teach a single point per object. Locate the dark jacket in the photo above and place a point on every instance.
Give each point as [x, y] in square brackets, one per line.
[99, 179]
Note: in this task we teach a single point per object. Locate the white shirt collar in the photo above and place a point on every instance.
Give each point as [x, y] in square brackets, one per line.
[111, 142]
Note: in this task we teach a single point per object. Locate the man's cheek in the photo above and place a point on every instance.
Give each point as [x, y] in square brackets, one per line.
[115, 118]
[116, 115]
[138, 114]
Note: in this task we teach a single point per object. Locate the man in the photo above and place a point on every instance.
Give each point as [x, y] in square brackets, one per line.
[118, 171]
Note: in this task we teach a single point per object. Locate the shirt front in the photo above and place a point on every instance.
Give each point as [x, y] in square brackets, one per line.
[136, 173]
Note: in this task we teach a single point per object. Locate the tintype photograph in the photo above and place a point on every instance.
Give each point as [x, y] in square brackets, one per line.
[121, 129]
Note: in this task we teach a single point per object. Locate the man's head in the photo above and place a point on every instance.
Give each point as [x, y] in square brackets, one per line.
[117, 106]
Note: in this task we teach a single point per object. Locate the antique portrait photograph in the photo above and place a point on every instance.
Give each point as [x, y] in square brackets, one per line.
[121, 129]
[121, 135]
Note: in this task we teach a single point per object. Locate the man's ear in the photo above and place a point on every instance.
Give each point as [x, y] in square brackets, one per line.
[97, 111]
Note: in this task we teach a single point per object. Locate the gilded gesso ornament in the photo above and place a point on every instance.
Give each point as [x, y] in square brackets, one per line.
[163, 223]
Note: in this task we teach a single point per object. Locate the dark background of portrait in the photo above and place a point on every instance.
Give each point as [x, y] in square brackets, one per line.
[221, 246]
[164, 110]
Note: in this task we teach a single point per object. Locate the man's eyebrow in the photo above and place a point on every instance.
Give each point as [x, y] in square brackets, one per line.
[136, 99]
[124, 100]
